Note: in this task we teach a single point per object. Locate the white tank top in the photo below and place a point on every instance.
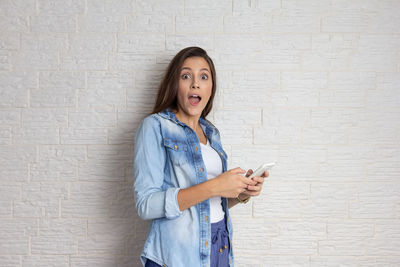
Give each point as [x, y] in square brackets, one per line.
[214, 168]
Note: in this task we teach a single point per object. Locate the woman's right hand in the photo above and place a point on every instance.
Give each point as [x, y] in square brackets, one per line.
[231, 183]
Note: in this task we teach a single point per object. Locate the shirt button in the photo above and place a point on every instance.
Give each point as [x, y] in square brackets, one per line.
[201, 169]
[221, 154]
[205, 218]
[176, 147]
[205, 243]
[195, 148]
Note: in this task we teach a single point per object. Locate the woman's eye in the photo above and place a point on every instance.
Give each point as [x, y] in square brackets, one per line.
[204, 76]
[185, 76]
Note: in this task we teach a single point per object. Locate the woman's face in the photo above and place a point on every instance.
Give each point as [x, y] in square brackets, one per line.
[194, 87]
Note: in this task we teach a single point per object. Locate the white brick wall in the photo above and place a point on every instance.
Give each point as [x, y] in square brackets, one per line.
[312, 85]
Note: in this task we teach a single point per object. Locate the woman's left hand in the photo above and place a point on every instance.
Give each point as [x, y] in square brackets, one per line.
[254, 190]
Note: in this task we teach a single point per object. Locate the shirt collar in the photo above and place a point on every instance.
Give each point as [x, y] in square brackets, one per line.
[169, 114]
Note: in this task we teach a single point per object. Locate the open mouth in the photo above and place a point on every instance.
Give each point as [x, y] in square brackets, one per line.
[194, 99]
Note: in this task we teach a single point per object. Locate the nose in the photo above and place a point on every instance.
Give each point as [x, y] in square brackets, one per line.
[195, 84]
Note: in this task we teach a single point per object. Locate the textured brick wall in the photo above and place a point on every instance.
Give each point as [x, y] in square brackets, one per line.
[312, 85]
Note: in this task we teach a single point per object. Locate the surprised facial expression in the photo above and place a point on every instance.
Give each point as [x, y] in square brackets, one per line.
[194, 87]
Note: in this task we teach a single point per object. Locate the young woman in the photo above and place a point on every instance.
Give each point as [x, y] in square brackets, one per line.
[181, 179]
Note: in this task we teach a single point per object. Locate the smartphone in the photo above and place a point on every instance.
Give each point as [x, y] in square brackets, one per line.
[260, 170]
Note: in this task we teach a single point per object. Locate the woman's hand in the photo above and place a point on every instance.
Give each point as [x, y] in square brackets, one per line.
[254, 190]
[231, 183]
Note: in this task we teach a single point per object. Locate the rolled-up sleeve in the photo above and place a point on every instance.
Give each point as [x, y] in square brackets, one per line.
[152, 201]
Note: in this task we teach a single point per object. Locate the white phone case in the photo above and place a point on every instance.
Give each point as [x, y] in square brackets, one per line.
[260, 170]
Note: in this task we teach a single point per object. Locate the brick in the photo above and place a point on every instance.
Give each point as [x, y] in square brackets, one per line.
[10, 192]
[101, 23]
[58, 7]
[57, 163]
[281, 200]
[249, 86]
[282, 126]
[83, 60]
[247, 23]
[75, 228]
[57, 89]
[345, 22]
[101, 238]
[89, 260]
[379, 261]
[132, 62]
[10, 261]
[44, 117]
[293, 246]
[83, 136]
[385, 167]
[102, 170]
[173, 7]
[61, 23]
[162, 23]
[43, 41]
[198, 24]
[35, 135]
[15, 15]
[209, 7]
[330, 52]
[92, 42]
[40, 200]
[58, 245]
[5, 135]
[376, 53]
[343, 246]
[109, 7]
[10, 116]
[144, 98]
[385, 91]
[385, 18]
[105, 89]
[250, 157]
[15, 234]
[259, 243]
[376, 200]
[238, 43]
[139, 43]
[350, 160]
[330, 125]
[38, 60]
[9, 40]
[238, 118]
[337, 260]
[375, 126]
[5, 60]
[125, 131]
[287, 41]
[88, 200]
[124, 204]
[45, 260]
[285, 60]
[289, 260]
[350, 228]
[176, 42]
[14, 162]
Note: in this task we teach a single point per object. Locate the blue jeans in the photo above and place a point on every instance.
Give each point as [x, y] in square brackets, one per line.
[219, 246]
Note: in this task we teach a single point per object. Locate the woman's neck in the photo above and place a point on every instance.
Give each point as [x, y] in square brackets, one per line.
[191, 121]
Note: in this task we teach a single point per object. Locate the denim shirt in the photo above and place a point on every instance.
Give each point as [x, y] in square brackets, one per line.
[167, 158]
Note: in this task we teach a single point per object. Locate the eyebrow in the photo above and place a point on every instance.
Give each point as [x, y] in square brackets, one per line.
[187, 68]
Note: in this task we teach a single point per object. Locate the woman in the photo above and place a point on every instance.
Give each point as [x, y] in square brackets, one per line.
[180, 169]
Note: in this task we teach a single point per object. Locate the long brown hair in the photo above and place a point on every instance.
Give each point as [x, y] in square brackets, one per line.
[168, 89]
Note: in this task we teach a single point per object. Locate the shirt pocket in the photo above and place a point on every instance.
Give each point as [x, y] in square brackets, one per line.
[177, 151]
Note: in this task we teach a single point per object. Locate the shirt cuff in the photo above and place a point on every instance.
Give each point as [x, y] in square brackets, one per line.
[172, 210]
